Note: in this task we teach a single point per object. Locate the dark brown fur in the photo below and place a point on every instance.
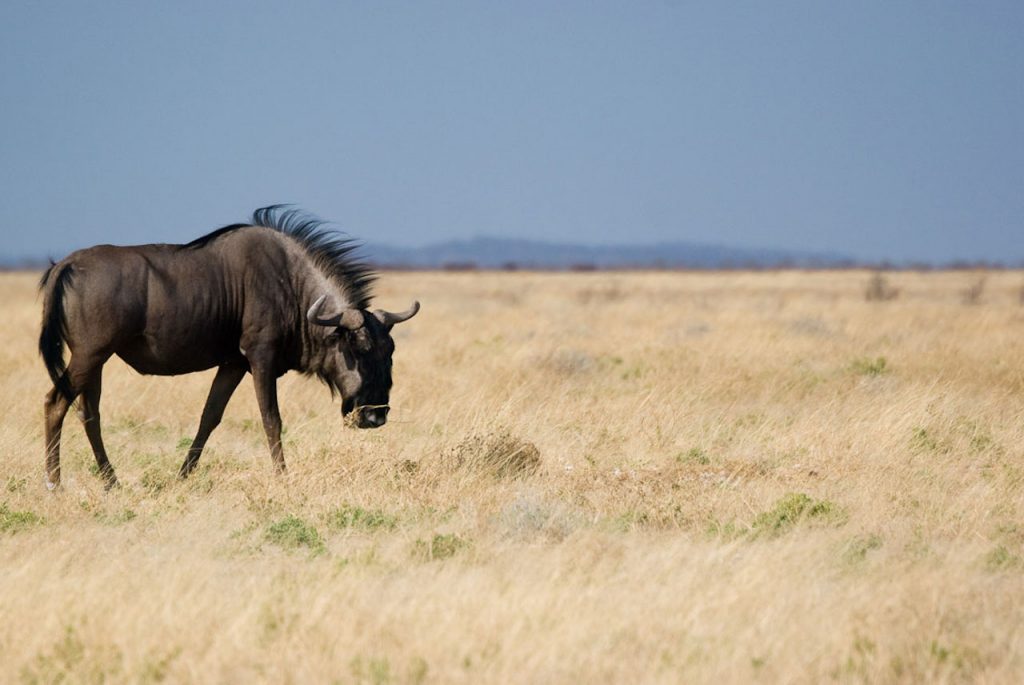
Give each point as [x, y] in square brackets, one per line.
[235, 299]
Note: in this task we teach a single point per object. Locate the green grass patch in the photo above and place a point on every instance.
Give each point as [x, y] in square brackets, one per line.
[1002, 559]
[922, 440]
[15, 521]
[348, 516]
[725, 530]
[291, 532]
[856, 550]
[439, 547]
[115, 518]
[630, 520]
[792, 509]
[155, 479]
[694, 455]
[866, 366]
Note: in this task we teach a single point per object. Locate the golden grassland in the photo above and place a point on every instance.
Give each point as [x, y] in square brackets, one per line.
[738, 477]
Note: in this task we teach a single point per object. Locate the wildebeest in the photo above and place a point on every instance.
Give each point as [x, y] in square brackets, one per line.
[282, 293]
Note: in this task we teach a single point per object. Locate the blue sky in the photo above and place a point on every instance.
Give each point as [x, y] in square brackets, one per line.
[876, 129]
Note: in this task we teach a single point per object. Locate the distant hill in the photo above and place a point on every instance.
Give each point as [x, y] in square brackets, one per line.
[498, 253]
[502, 253]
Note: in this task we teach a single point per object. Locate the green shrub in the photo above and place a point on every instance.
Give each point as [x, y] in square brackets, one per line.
[879, 290]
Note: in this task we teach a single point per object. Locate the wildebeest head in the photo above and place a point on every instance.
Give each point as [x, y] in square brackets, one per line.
[359, 358]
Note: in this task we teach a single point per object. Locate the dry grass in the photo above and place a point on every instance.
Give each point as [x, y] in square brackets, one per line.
[741, 477]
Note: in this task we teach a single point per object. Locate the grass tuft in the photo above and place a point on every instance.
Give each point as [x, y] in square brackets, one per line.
[15, 521]
[348, 516]
[792, 509]
[291, 532]
[498, 452]
[441, 546]
[865, 366]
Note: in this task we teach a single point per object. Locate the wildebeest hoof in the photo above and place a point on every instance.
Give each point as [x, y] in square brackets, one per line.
[51, 486]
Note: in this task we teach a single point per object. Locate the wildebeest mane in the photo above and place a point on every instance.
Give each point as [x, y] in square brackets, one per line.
[330, 250]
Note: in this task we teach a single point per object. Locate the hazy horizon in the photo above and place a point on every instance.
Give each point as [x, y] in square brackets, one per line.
[878, 131]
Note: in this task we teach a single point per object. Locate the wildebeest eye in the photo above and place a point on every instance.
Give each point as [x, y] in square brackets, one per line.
[361, 341]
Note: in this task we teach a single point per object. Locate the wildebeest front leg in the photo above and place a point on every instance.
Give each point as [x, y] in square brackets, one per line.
[89, 413]
[224, 384]
[266, 395]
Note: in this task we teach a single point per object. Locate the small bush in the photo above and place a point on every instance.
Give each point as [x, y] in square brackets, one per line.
[440, 547]
[291, 532]
[879, 290]
[14, 521]
[790, 510]
[347, 516]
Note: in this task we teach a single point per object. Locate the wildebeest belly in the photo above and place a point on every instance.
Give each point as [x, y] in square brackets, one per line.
[160, 358]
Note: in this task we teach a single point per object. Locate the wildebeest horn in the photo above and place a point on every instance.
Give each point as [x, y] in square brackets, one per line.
[390, 318]
[351, 319]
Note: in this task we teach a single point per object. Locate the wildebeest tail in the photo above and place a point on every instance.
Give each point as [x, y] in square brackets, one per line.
[54, 284]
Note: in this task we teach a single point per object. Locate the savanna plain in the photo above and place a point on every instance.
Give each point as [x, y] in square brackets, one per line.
[587, 477]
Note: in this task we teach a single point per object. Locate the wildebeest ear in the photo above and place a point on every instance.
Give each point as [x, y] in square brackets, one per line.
[351, 319]
[389, 319]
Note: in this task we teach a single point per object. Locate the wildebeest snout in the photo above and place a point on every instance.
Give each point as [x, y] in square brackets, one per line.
[372, 417]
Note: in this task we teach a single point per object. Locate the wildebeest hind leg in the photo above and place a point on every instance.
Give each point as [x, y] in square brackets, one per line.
[89, 413]
[54, 411]
[80, 370]
[224, 385]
